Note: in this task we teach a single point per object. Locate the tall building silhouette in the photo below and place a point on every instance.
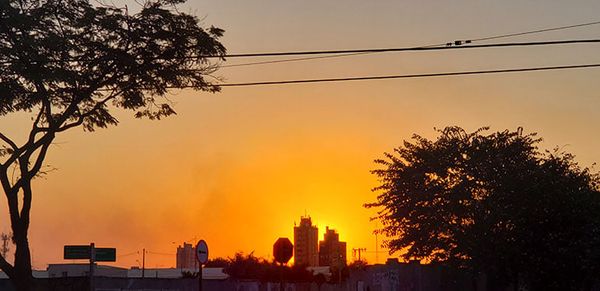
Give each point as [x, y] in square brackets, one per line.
[332, 251]
[186, 257]
[306, 239]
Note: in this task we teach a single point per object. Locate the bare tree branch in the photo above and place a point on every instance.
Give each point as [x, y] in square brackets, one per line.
[26, 174]
[40, 158]
[6, 266]
[8, 141]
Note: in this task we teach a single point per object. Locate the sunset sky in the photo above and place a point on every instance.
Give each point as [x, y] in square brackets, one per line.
[239, 167]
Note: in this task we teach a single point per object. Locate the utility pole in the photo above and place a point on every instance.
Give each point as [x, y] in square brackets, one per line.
[143, 262]
[358, 250]
[92, 262]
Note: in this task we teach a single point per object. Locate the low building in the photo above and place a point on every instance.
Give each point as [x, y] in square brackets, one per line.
[207, 273]
[40, 274]
[83, 270]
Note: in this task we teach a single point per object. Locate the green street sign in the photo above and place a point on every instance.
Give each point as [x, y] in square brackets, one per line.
[106, 254]
[83, 252]
[77, 252]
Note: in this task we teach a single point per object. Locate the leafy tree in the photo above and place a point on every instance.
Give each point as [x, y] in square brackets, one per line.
[250, 267]
[246, 267]
[492, 204]
[189, 275]
[218, 262]
[358, 265]
[67, 63]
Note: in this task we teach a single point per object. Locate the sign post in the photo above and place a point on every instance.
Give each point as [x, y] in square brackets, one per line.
[202, 257]
[283, 250]
[83, 252]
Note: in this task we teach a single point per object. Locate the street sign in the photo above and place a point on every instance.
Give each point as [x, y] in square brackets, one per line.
[77, 252]
[106, 254]
[202, 252]
[83, 252]
[283, 250]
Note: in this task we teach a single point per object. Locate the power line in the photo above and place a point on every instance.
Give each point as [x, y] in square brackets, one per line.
[160, 254]
[349, 52]
[402, 49]
[360, 51]
[291, 60]
[128, 254]
[364, 78]
[462, 73]
[432, 45]
[537, 31]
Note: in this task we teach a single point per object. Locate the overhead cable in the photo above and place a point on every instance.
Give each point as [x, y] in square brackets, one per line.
[425, 75]
[431, 45]
[372, 50]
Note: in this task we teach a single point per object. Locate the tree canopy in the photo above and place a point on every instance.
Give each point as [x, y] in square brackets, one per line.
[250, 267]
[493, 204]
[68, 62]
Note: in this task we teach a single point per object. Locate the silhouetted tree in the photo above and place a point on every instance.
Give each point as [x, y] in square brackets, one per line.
[358, 265]
[298, 273]
[492, 204]
[189, 274]
[250, 267]
[218, 262]
[246, 267]
[67, 62]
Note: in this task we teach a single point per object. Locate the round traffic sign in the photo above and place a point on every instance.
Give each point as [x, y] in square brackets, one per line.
[202, 252]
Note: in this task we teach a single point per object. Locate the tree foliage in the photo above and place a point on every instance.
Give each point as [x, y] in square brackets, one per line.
[250, 267]
[218, 262]
[69, 62]
[493, 204]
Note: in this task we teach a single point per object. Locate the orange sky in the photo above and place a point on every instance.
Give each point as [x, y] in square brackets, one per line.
[238, 168]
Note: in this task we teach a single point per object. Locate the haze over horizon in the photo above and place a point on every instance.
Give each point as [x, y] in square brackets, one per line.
[237, 168]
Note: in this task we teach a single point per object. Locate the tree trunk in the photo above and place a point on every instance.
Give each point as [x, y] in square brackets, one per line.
[23, 280]
[22, 276]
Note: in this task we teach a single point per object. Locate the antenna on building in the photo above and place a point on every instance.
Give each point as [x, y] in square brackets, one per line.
[358, 251]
